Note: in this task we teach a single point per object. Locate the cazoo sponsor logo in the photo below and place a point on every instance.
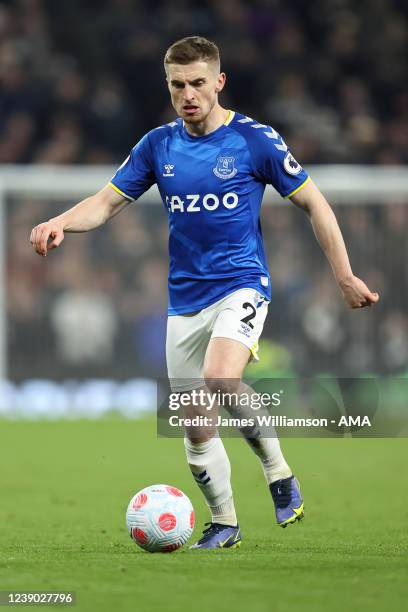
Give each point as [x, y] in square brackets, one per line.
[195, 202]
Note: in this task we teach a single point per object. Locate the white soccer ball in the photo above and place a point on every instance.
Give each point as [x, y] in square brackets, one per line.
[160, 518]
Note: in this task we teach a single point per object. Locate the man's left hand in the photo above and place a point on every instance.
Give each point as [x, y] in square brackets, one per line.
[357, 294]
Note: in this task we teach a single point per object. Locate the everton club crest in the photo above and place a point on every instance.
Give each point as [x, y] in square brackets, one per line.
[225, 168]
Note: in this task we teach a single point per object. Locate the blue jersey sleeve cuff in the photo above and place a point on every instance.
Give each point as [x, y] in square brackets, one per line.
[122, 193]
[292, 193]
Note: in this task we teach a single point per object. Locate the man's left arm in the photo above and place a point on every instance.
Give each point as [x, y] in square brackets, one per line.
[328, 234]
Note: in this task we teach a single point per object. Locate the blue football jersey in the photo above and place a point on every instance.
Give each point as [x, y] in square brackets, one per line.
[212, 188]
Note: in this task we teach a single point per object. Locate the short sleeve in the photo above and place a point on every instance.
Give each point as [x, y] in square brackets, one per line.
[135, 175]
[274, 163]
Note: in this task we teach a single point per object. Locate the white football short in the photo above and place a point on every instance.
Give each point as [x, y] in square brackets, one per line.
[239, 316]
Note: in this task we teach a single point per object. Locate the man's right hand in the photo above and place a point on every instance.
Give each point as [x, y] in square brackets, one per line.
[41, 234]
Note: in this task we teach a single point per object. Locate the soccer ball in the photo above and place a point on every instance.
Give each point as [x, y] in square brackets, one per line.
[160, 518]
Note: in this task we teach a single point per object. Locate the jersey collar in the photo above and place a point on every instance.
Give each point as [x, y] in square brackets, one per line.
[230, 117]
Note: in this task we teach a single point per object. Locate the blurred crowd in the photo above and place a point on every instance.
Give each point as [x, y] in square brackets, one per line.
[97, 306]
[80, 82]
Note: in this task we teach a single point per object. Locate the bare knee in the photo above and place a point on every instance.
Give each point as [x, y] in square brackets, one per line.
[200, 418]
[221, 384]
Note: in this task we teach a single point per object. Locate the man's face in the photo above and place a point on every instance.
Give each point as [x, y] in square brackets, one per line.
[194, 89]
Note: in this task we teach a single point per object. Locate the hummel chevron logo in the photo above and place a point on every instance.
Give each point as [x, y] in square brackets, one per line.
[202, 478]
[275, 136]
[272, 134]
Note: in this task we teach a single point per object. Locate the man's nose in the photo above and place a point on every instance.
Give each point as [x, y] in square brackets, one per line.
[189, 93]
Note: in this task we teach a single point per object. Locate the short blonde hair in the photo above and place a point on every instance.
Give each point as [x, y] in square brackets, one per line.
[192, 49]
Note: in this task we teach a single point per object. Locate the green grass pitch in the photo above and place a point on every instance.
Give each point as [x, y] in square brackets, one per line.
[64, 491]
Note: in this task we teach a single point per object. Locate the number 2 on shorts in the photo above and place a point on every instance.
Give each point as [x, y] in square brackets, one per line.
[247, 319]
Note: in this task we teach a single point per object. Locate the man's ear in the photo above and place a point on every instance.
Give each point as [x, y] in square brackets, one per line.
[220, 82]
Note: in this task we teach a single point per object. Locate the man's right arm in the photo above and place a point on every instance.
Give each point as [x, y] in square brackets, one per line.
[85, 216]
